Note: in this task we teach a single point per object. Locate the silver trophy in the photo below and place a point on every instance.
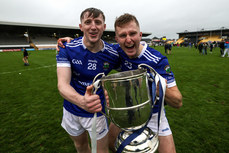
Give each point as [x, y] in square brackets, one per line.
[130, 106]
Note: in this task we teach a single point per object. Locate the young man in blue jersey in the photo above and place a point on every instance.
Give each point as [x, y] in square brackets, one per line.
[77, 65]
[133, 53]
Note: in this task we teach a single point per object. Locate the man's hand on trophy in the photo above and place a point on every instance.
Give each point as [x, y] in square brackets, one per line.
[60, 42]
[107, 97]
[91, 102]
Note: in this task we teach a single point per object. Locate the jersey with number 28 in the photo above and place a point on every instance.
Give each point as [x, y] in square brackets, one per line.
[85, 65]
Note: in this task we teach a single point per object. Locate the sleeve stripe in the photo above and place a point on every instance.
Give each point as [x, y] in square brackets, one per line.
[172, 84]
[63, 65]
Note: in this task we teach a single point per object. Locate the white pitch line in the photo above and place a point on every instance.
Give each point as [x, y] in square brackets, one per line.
[42, 67]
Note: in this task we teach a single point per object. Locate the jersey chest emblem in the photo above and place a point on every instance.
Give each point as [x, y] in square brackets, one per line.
[106, 66]
[78, 62]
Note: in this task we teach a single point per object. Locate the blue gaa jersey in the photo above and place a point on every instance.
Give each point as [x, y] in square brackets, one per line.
[85, 65]
[152, 58]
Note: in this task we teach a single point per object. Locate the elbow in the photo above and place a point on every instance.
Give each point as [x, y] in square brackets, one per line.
[59, 87]
[179, 102]
[179, 105]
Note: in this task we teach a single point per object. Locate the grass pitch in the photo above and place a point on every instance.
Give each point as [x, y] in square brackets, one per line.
[31, 107]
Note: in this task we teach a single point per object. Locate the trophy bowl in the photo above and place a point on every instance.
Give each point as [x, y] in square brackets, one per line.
[130, 104]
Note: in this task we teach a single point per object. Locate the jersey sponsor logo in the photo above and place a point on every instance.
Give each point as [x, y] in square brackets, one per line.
[167, 69]
[78, 62]
[84, 83]
[128, 64]
[92, 61]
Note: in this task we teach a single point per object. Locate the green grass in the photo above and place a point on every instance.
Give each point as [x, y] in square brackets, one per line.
[31, 107]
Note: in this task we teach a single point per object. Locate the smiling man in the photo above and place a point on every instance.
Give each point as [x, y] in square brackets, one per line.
[77, 65]
[132, 53]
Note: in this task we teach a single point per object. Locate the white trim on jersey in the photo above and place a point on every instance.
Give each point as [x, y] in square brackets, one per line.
[172, 84]
[74, 43]
[151, 57]
[63, 64]
[111, 50]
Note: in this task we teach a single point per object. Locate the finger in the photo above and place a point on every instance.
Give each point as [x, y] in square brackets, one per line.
[60, 42]
[95, 106]
[106, 97]
[57, 48]
[89, 90]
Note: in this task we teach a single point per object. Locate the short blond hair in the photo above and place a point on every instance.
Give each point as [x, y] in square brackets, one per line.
[124, 19]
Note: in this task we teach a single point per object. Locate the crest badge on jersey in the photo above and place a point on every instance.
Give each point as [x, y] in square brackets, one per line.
[167, 69]
[106, 66]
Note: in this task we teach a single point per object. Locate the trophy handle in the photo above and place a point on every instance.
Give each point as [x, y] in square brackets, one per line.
[96, 83]
[96, 86]
[140, 66]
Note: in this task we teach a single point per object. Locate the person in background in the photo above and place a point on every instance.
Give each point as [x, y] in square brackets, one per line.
[166, 47]
[226, 51]
[200, 47]
[211, 47]
[205, 47]
[25, 57]
[222, 47]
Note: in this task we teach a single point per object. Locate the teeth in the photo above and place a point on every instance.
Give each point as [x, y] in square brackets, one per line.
[129, 46]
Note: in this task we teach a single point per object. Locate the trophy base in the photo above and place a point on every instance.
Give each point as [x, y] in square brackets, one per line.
[146, 142]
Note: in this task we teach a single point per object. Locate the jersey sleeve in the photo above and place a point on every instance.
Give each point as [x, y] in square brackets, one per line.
[164, 70]
[62, 58]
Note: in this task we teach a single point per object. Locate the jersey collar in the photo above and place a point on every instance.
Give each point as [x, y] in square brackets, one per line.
[86, 47]
[144, 48]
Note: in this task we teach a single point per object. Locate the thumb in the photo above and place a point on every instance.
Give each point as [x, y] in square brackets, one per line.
[89, 90]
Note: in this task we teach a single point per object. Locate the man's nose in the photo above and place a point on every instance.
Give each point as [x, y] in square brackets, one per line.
[93, 25]
[128, 38]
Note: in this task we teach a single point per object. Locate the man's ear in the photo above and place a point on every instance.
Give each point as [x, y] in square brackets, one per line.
[116, 38]
[105, 26]
[80, 25]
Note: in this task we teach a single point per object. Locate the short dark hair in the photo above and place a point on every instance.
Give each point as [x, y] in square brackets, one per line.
[94, 12]
[124, 19]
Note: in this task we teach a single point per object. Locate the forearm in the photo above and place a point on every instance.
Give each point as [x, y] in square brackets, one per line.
[69, 93]
[173, 97]
[89, 102]
[64, 87]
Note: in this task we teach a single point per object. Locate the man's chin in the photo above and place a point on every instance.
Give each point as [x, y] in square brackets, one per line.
[130, 54]
[94, 40]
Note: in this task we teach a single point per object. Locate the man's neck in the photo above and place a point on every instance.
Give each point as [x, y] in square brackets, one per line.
[94, 47]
